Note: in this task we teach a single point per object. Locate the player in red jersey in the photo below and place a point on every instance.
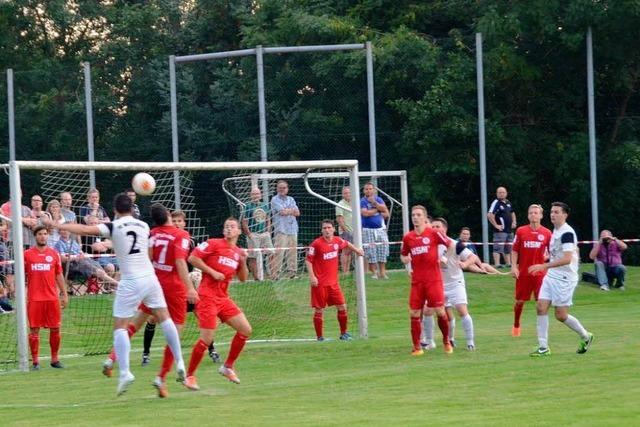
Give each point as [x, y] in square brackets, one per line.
[530, 247]
[322, 264]
[420, 248]
[46, 292]
[219, 260]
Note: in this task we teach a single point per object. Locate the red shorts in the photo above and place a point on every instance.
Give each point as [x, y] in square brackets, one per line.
[44, 314]
[208, 309]
[324, 296]
[177, 306]
[527, 285]
[430, 292]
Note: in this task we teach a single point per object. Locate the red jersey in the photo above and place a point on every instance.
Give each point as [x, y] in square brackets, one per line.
[424, 254]
[223, 258]
[169, 244]
[324, 256]
[41, 269]
[531, 246]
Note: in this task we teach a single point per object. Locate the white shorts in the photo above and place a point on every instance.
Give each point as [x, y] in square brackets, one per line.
[131, 292]
[455, 295]
[559, 292]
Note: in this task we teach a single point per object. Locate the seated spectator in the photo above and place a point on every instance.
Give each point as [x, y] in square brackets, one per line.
[77, 261]
[53, 208]
[5, 304]
[6, 267]
[477, 266]
[607, 258]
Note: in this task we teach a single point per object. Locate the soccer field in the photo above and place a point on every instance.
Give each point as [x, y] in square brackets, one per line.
[375, 381]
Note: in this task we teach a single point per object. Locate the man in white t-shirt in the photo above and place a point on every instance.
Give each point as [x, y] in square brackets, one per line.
[455, 292]
[560, 282]
[138, 284]
[344, 218]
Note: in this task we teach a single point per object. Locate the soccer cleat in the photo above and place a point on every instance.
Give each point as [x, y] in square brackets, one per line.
[346, 337]
[417, 352]
[35, 367]
[320, 339]
[585, 344]
[161, 386]
[191, 383]
[124, 383]
[229, 374]
[428, 345]
[448, 348]
[471, 347]
[515, 331]
[107, 368]
[453, 343]
[57, 364]
[541, 352]
[146, 359]
[215, 357]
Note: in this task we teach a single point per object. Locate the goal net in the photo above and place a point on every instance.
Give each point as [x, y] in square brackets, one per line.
[277, 304]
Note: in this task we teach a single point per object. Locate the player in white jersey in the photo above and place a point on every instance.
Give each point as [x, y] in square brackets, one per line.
[451, 266]
[560, 282]
[138, 283]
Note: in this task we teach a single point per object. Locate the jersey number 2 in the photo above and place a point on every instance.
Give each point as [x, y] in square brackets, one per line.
[134, 249]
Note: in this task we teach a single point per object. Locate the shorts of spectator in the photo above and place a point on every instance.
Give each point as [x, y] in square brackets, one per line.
[378, 252]
[259, 241]
[501, 242]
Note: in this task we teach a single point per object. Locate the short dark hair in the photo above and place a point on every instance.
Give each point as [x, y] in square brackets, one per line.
[129, 190]
[563, 206]
[122, 204]
[233, 218]
[328, 221]
[159, 214]
[443, 221]
[465, 228]
[40, 228]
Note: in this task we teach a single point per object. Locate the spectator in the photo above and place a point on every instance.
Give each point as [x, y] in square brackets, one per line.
[6, 268]
[135, 212]
[28, 222]
[53, 208]
[285, 229]
[503, 220]
[99, 246]
[345, 226]
[477, 266]
[37, 214]
[66, 207]
[256, 225]
[607, 258]
[374, 232]
[94, 208]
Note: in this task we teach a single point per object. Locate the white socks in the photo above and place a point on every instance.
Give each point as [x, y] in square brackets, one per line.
[427, 328]
[575, 325]
[467, 324]
[173, 339]
[122, 345]
[452, 328]
[542, 324]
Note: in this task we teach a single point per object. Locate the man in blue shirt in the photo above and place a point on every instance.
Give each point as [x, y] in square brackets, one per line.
[374, 231]
[285, 211]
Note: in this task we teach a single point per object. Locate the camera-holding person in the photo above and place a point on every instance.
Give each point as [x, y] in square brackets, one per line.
[607, 258]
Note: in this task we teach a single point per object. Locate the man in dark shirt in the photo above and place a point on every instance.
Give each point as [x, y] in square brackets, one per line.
[503, 220]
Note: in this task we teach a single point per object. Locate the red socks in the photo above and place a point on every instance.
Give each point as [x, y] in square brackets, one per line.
[443, 324]
[34, 345]
[167, 361]
[416, 331]
[131, 330]
[196, 356]
[237, 344]
[54, 342]
[517, 312]
[318, 323]
[342, 320]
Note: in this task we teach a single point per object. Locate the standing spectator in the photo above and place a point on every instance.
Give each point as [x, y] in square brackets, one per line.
[256, 225]
[37, 215]
[94, 208]
[344, 217]
[503, 220]
[46, 293]
[607, 258]
[559, 283]
[28, 223]
[66, 207]
[133, 196]
[285, 228]
[374, 232]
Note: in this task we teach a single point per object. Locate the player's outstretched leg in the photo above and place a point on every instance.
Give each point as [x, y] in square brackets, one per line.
[107, 365]
[243, 332]
[149, 332]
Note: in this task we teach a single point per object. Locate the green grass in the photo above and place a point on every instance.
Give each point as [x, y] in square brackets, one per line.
[376, 381]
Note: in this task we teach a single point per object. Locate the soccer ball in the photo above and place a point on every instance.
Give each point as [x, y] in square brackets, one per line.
[143, 184]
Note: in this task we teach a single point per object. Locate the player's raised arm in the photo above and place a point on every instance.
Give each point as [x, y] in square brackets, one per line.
[82, 229]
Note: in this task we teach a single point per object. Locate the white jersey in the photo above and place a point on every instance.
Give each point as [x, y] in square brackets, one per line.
[452, 275]
[564, 239]
[130, 238]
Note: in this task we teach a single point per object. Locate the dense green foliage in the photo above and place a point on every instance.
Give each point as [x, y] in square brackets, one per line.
[426, 105]
[373, 382]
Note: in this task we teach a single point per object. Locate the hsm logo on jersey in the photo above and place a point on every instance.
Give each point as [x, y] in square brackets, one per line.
[228, 262]
[532, 244]
[330, 255]
[418, 250]
[40, 267]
